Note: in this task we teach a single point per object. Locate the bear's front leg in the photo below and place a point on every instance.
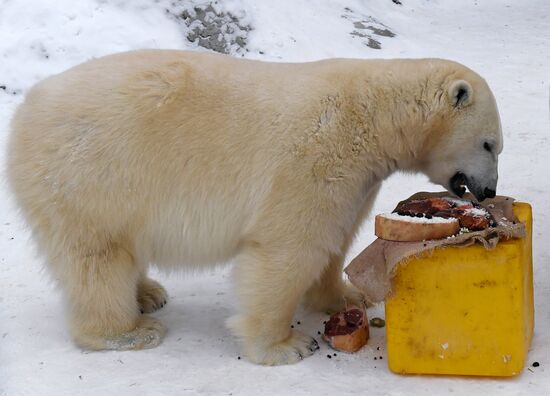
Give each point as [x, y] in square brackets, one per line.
[331, 293]
[270, 282]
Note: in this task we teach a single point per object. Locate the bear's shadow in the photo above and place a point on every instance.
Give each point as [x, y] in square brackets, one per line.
[199, 321]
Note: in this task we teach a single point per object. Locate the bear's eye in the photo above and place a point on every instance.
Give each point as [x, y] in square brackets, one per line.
[488, 147]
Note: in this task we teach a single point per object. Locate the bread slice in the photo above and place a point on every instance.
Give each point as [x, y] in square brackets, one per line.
[394, 227]
[347, 331]
[351, 342]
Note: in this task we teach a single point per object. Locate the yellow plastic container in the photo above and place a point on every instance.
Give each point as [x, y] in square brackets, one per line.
[464, 311]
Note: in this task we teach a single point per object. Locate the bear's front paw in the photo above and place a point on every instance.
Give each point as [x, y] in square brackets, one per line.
[335, 299]
[151, 295]
[259, 337]
[295, 348]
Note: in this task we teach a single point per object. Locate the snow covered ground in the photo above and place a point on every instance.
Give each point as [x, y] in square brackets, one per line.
[507, 41]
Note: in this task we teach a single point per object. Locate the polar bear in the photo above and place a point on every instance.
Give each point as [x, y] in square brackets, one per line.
[187, 159]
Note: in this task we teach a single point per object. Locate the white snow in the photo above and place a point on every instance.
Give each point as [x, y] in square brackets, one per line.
[457, 202]
[423, 220]
[479, 212]
[507, 41]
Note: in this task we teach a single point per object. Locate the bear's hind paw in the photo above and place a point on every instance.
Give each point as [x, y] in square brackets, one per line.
[148, 333]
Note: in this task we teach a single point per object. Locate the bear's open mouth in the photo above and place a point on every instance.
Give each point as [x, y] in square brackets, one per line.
[458, 183]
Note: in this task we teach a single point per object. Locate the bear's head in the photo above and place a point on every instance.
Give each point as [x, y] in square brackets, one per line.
[463, 150]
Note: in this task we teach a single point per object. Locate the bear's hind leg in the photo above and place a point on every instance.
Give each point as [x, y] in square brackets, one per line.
[151, 295]
[101, 289]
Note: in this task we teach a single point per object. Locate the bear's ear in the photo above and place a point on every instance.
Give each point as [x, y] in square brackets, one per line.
[460, 93]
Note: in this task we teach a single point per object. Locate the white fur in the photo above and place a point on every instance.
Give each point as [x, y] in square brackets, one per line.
[192, 159]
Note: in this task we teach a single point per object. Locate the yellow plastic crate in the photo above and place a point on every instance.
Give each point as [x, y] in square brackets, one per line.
[464, 311]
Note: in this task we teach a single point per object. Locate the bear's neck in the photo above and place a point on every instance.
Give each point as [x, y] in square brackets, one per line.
[385, 120]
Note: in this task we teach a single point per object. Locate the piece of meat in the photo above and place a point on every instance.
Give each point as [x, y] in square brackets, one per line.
[470, 215]
[413, 207]
[426, 206]
[440, 204]
[466, 206]
[347, 331]
[473, 222]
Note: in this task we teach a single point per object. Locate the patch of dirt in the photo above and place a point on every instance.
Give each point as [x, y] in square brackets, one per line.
[8, 91]
[214, 29]
[366, 28]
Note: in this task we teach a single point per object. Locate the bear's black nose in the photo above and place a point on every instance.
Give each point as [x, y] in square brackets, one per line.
[489, 193]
